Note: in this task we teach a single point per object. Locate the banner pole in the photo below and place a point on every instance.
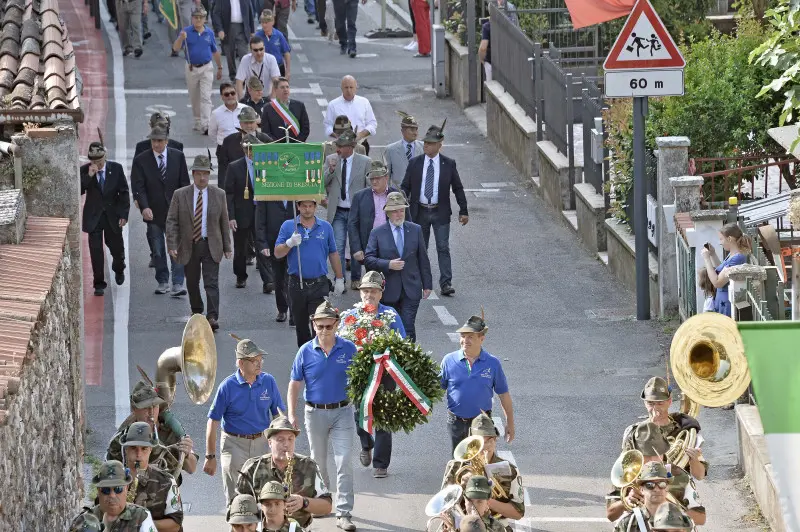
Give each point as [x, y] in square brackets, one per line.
[296, 228]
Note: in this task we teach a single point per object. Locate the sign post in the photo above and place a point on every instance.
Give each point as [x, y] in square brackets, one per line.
[644, 61]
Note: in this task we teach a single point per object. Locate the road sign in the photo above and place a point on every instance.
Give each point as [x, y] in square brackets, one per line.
[627, 83]
[644, 43]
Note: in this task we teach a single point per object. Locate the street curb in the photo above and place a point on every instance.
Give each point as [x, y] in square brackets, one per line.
[400, 14]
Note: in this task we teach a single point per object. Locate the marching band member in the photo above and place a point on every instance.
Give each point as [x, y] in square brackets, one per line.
[243, 514]
[273, 507]
[653, 483]
[671, 518]
[657, 400]
[307, 495]
[510, 507]
[648, 439]
[476, 497]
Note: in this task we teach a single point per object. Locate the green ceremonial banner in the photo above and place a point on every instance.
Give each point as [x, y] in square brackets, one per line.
[288, 171]
[170, 12]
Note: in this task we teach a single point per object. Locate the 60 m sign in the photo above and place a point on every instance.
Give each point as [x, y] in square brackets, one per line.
[628, 83]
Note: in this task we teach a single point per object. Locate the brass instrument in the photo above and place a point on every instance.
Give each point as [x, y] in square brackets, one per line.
[708, 362]
[287, 476]
[444, 502]
[470, 450]
[626, 470]
[196, 360]
[135, 484]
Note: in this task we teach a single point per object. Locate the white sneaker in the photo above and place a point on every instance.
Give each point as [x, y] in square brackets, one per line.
[411, 46]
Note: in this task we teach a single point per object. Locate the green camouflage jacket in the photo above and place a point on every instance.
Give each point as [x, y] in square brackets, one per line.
[628, 522]
[677, 423]
[158, 492]
[133, 519]
[681, 487]
[287, 527]
[306, 481]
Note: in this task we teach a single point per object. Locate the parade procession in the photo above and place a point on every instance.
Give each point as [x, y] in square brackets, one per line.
[321, 265]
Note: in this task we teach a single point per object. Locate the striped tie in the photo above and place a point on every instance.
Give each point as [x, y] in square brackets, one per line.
[197, 232]
[408, 151]
[162, 167]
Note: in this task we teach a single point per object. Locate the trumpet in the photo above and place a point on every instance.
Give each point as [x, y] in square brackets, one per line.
[470, 450]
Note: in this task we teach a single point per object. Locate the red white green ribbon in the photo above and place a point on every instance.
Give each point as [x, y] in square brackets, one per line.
[287, 116]
[385, 361]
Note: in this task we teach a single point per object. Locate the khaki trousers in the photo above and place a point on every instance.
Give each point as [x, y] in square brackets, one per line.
[234, 453]
[129, 18]
[199, 81]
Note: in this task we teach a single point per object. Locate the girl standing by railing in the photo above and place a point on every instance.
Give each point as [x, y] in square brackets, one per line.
[738, 246]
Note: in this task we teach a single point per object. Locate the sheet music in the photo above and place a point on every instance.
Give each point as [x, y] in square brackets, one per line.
[498, 468]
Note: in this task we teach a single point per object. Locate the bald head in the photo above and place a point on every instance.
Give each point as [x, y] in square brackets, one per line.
[349, 87]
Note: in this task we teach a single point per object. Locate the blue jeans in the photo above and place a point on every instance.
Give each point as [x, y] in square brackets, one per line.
[337, 427]
[345, 13]
[340, 234]
[407, 308]
[441, 232]
[311, 10]
[158, 244]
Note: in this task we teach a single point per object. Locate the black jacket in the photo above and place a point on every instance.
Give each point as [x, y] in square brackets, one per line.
[230, 151]
[236, 181]
[270, 215]
[221, 17]
[448, 179]
[113, 202]
[361, 218]
[271, 121]
[148, 188]
[144, 145]
[258, 106]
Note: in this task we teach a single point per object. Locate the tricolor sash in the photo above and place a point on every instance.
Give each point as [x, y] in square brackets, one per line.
[287, 116]
[385, 361]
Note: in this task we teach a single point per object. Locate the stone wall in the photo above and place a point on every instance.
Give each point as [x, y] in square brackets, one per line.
[554, 176]
[511, 130]
[590, 211]
[621, 246]
[455, 70]
[42, 436]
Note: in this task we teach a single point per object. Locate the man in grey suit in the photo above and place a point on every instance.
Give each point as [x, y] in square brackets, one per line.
[397, 154]
[198, 236]
[397, 249]
[346, 174]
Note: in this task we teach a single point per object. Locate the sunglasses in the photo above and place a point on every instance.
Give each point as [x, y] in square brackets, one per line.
[229, 93]
[258, 49]
[116, 489]
[324, 327]
[650, 486]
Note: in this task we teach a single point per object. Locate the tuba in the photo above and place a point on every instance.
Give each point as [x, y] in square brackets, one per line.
[470, 450]
[196, 360]
[708, 362]
[446, 501]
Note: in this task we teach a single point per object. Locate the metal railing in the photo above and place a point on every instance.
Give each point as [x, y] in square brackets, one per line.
[687, 278]
[592, 106]
[651, 182]
[510, 66]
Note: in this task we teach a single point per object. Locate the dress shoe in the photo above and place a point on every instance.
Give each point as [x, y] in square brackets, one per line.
[355, 284]
[99, 291]
[311, 20]
[151, 264]
[178, 290]
[147, 35]
[241, 283]
[345, 523]
[281, 317]
[137, 53]
[119, 278]
[162, 288]
[448, 290]
[380, 473]
[365, 456]
[250, 261]
[268, 288]
[173, 54]
[127, 52]
[291, 320]
[352, 53]
[205, 132]
[214, 324]
[422, 55]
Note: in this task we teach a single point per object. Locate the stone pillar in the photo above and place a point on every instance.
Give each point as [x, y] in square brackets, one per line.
[688, 192]
[673, 161]
[738, 276]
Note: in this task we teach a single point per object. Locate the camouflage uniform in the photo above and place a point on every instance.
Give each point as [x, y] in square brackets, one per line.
[628, 522]
[306, 481]
[287, 525]
[166, 437]
[681, 486]
[158, 492]
[133, 519]
[677, 423]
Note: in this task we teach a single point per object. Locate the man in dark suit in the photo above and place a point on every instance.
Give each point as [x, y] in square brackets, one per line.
[282, 113]
[270, 215]
[234, 28]
[397, 249]
[366, 209]
[240, 191]
[158, 119]
[427, 183]
[156, 174]
[232, 145]
[105, 213]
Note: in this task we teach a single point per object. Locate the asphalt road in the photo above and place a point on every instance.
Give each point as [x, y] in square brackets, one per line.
[575, 359]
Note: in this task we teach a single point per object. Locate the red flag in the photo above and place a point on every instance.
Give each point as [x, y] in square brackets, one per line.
[589, 12]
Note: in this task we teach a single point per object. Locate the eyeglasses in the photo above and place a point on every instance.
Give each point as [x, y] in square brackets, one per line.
[229, 93]
[116, 489]
[324, 327]
[650, 486]
[257, 361]
[258, 49]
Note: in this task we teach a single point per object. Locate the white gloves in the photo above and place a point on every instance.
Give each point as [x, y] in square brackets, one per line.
[294, 240]
[338, 287]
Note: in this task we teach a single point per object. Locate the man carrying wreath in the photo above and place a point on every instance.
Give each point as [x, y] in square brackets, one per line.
[364, 321]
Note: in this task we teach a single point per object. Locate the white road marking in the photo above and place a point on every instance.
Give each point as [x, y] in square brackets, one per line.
[303, 58]
[315, 89]
[433, 296]
[444, 316]
[292, 36]
[324, 115]
[454, 337]
[308, 70]
[359, 40]
[297, 47]
[121, 295]
[443, 145]
[481, 190]
[322, 102]
[363, 56]
[566, 519]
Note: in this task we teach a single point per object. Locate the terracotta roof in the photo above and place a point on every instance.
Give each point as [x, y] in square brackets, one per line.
[37, 61]
[683, 221]
[26, 276]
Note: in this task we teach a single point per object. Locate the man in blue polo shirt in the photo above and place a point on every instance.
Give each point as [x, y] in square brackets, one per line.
[471, 377]
[309, 244]
[245, 404]
[201, 47]
[322, 365]
[275, 42]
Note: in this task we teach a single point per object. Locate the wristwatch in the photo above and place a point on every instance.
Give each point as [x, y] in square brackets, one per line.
[210, 456]
[305, 502]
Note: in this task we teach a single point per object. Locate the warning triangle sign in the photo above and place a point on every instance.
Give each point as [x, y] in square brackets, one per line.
[644, 43]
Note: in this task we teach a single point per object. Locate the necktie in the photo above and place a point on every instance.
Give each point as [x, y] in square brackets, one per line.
[161, 166]
[252, 182]
[344, 179]
[197, 232]
[398, 239]
[408, 151]
[102, 175]
[429, 182]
